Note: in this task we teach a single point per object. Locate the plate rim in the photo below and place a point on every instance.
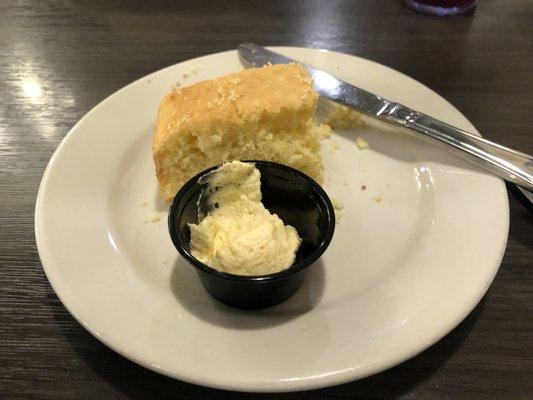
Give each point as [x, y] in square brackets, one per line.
[308, 383]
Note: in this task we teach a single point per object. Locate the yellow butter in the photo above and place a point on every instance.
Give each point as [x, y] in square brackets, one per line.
[239, 235]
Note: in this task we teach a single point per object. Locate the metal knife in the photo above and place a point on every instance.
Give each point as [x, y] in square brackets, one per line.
[511, 165]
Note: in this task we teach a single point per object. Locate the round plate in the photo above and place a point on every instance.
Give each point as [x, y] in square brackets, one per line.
[413, 254]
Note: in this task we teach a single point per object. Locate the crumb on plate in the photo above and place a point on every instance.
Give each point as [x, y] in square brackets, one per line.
[341, 117]
[361, 143]
[333, 147]
[323, 130]
[339, 208]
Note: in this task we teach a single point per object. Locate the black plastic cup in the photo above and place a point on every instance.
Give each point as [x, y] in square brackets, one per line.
[297, 199]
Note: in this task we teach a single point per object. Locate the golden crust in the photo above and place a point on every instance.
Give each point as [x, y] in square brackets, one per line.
[233, 98]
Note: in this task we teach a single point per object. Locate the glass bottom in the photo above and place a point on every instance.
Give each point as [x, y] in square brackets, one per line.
[436, 10]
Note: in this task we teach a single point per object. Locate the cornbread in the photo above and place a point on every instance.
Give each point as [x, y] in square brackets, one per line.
[263, 113]
[239, 235]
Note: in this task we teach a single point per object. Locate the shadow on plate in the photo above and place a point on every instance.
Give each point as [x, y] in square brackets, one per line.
[405, 145]
[160, 204]
[136, 382]
[135, 152]
[188, 290]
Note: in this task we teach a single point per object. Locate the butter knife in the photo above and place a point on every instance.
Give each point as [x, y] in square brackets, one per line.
[509, 164]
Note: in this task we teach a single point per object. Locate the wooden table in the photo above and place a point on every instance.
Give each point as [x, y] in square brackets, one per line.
[60, 58]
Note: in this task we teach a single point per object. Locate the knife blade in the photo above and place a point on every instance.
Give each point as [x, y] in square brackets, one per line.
[509, 164]
[325, 84]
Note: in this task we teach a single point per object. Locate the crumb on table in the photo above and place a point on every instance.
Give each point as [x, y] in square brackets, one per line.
[363, 187]
[377, 199]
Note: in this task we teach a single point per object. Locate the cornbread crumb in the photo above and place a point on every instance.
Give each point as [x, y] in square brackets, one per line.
[333, 146]
[323, 130]
[339, 208]
[341, 117]
[337, 204]
[260, 113]
[155, 218]
[377, 199]
[361, 143]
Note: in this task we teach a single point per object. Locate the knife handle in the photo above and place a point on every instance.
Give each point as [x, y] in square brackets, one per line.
[504, 162]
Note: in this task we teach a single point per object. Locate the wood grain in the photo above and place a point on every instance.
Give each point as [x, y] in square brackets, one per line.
[81, 51]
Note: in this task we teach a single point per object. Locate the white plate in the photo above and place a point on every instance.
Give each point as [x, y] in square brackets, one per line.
[398, 276]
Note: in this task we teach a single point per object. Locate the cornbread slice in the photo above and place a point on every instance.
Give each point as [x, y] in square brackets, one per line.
[262, 113]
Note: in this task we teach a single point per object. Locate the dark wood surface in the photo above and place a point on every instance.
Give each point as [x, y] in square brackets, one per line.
[82, 51]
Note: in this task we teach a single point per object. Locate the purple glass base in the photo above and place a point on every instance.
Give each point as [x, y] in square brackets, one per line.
[441, 11]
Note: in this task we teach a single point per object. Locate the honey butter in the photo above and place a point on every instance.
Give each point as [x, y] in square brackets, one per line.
[238, 235]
